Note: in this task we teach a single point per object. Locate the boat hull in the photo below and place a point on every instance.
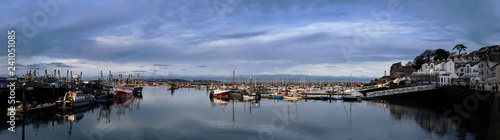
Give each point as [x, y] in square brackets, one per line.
[277, 97]
[74, 104]
[221, 93]
[123, 93]
[104, 98]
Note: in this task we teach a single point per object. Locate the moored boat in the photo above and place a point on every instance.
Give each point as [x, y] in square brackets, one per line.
[74, 100]
[137, 91]
[336, 97]
[248, 97]
[220, 93]
[290, 97]
[123, 91]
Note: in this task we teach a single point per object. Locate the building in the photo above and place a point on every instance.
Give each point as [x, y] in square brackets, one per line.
[489, 69]
[469, 70]
[440, 72]
[400, 71]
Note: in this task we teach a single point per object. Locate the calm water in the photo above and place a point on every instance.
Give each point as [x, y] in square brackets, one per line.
[190, 114]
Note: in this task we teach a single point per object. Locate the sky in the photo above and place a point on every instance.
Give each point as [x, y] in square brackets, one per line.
[208, 37]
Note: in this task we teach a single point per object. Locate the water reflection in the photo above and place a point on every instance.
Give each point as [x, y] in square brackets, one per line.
[70, 119]
[430, 119]
[219, 101]
[191, 116]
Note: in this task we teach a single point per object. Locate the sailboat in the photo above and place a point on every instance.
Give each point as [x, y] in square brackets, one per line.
[354, 95]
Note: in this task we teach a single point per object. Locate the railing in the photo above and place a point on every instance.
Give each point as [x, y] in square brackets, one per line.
[399, 91]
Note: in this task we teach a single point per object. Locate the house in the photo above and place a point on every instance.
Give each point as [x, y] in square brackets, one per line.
[489, 69]
[467, 70]
[440, 72]
[400, 71]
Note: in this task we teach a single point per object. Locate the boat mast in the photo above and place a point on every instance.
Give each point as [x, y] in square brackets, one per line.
[233, 76]
[250, 81]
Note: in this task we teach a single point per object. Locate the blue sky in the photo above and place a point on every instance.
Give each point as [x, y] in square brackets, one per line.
[207, 37]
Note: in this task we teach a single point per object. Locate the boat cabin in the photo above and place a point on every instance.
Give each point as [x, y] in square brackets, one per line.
[73, 96]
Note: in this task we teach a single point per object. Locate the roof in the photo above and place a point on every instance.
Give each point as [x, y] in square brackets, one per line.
[437, 62]
[472, 64]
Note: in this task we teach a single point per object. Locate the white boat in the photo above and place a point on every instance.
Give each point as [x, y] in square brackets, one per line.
[75, 99]
[292, 97]
[220, 92]
[248, 97]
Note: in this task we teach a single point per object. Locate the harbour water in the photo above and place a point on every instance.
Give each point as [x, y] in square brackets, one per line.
[189, 113]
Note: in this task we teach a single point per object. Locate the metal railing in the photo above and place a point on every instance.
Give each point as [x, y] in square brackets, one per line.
[400, 90]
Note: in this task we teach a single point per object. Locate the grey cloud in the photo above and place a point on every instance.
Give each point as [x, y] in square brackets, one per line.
[164, 65]
[437, 39]
[202, 66]
[45, 65]
[244, 35]
[139, 71]
[121, 72]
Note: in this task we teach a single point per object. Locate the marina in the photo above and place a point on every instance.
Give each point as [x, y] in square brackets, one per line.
[250, 69]
[193, 114]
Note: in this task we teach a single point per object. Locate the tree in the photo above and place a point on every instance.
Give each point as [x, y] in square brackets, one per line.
[428, 55]
[441, 54]
[410, 63]
[460, 48]
[418, 63]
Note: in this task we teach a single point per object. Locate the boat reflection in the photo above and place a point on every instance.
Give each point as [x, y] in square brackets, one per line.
[219, 101]
[172, 92]
[73, 116]
[122, 105]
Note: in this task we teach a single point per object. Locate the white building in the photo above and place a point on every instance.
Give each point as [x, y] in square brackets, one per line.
[489, 69]
[468, 70]
[444, 71]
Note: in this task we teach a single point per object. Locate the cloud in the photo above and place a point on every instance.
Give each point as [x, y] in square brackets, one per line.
[258, 36]
[45, 65]
[161, 65]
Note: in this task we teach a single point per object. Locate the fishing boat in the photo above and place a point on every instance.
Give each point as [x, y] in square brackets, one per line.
[74, 100]
[220, 93]
[137, 91]
[123, 91]
[223, 92]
